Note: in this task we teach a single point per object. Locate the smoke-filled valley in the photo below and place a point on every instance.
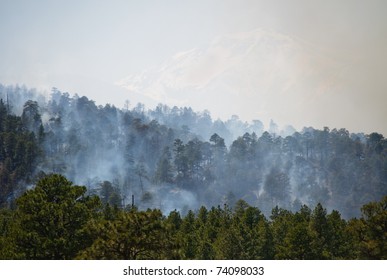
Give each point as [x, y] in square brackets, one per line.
[175, 158]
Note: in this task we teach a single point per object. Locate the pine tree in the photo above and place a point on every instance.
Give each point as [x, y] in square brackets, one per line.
[51, 218]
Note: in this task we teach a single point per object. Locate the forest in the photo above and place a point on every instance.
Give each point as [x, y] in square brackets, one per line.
[57, 220]
[272, 189]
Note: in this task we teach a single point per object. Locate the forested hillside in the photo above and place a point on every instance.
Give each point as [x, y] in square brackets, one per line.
[57, 220]
[175, 158]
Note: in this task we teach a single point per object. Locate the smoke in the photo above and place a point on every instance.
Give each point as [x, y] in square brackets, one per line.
[122, 150]
[171, 198]
[16, 96]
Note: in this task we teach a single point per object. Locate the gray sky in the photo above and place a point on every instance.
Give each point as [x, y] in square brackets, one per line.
[85, 47]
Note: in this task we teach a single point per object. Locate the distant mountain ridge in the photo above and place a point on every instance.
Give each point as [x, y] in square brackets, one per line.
[259, 74]
[175, 158]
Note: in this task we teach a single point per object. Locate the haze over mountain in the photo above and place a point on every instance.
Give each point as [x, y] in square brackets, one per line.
[164, 130]
[174, 158]
[301, 63]
[260, 74]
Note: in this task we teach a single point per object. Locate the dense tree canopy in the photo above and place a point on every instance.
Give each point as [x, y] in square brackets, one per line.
[18, 154]
[56, 220]
[51, 219]
[287, 184]
[177, 158]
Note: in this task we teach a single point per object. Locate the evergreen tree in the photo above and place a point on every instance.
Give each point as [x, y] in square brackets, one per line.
[130, 236]
[51, 219]
[164, 169]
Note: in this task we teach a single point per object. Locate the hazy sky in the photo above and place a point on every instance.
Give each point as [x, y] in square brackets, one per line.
[86, 47]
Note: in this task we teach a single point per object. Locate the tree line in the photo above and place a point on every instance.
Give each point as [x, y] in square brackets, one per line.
[58, 220]
[176, 158]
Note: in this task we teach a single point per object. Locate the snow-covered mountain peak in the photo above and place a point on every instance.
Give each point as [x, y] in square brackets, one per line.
[255, 74]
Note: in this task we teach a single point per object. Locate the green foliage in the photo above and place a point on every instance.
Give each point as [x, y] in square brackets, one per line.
[318, 227]
[131, 235]
[369, 233]
[18, 154]
[51, 219]
[7, 232]
[309, 234]
[298, 240]
[339, 245]
[161, 149]
[164, 169]
[55, 220]
[110, 194]
[277, 187]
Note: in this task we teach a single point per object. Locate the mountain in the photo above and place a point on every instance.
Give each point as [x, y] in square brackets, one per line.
[260, 74]
[121, 153]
